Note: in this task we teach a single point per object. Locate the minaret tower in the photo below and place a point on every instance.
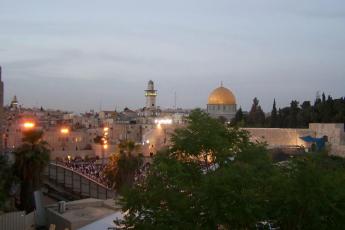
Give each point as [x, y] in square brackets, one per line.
[150, 95]
[14, 103]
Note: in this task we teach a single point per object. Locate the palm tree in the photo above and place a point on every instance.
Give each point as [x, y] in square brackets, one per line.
[6, 181]
[128, 147]
[30, 160]
[121, 168]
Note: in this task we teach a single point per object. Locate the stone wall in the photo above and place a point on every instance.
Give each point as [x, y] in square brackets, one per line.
[276, 137]
[336, 136]
[63, 154]
[334, 132]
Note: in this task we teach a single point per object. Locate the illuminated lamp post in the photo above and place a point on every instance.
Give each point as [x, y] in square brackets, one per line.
[26, 126]
[104, 142]
[64, 132]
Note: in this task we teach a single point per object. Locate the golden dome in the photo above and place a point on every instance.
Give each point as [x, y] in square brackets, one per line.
[221, 96]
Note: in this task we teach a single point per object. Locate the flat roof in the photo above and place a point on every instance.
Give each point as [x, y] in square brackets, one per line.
[104, 223]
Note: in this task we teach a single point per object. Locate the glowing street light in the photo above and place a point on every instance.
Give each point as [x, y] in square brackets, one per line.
[163, 121]
[105, 129]
[64, 130]
[105, 146]
[28, 125]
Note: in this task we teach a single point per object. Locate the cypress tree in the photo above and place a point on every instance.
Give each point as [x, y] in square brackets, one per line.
[274, 115]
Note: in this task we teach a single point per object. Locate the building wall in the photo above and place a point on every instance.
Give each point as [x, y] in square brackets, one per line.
[126, 131]
[73, 141]
[156, 137]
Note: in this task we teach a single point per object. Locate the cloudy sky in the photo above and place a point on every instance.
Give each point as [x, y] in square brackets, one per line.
[83, 54]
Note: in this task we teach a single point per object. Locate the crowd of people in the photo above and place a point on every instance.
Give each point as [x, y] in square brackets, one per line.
[141, 174]
[95, 170]
[91, 168]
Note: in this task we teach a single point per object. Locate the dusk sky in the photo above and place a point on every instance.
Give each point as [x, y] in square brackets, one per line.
[80, 54]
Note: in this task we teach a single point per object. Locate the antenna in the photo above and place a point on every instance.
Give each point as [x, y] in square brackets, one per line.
[175, 100]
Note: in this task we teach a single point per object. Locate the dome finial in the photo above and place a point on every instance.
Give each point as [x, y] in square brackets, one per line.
[221, 83]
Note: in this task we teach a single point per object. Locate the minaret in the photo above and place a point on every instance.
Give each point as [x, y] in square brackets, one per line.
[14, 103]
[1, 112]
[150, 95]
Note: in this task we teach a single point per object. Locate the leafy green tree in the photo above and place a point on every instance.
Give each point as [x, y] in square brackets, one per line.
[186, 187]
[235, 196]
[128, 147]
[6, 181]
[98, 140]
[292, 117]
[310, 194]
[239, 119]
[236, 188]
[30, 160]
[207, 139]
[256, 116]
[166, 199]
[304, 115]
[324, 110]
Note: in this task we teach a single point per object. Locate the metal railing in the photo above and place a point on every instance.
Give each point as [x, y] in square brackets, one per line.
[77, 182]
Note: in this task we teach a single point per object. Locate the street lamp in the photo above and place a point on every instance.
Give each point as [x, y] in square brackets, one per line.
[104, 142]
[64, 131]
[28, 125]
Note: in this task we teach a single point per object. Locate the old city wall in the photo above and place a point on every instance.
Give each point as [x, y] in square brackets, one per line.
[64, 154]
[335, 134]
[276, 137]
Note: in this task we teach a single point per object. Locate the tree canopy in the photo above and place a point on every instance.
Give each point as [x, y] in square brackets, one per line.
[121, 168]
[297, 115]
[237, 188]
[7, 180]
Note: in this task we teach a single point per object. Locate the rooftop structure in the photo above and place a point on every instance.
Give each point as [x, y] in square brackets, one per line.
[80, 213]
